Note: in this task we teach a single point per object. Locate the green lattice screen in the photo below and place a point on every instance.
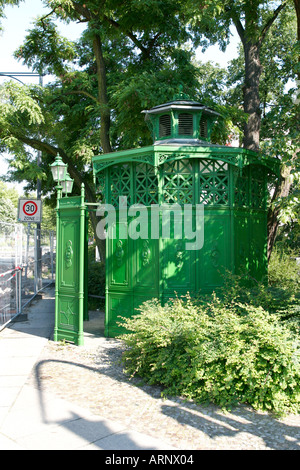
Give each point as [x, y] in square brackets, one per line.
[137, 181]
[258, 194]
[178, 182]
[250, 188]
[146, 184]
[213, 182]
[242, 188]
[120, 183]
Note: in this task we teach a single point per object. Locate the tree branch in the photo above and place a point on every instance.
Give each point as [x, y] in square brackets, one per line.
[271, 21]
[80, 92]
[86, 13]
[239, 27]
[130, 34]
[52, 150]
[237, 22]
[46, 16]
[82, 10]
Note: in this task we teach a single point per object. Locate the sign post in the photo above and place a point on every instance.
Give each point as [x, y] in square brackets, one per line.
[30, 211]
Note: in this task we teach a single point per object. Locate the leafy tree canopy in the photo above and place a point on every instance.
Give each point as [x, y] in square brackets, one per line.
[8, 203]
[132, 56]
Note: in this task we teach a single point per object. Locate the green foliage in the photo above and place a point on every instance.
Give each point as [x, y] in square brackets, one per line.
[8, 204]
[45, 51]
[18, 106]
[220, 353]
[279, 296]
[288, 238]
[49, 216]
[8, 212]
[284, 272]
[144, 86]
[148, 50]
[239, 347]
[10, 193]
[284, 281]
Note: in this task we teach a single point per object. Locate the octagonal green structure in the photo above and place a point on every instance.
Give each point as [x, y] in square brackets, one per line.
[183, 168]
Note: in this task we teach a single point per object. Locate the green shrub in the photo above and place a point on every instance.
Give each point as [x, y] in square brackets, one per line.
[284, 280]
[220, 353]
[279, 296]
[283, 272]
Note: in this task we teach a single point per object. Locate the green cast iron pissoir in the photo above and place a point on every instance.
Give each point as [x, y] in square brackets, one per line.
[170, 183]
[183, 168]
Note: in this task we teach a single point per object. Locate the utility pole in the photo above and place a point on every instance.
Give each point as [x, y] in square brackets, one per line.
[38, 226]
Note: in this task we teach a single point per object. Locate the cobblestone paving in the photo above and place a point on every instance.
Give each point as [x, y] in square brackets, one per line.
[92, 377]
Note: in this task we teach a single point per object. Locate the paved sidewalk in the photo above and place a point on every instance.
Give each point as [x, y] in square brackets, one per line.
[31, 419]
[60, 396]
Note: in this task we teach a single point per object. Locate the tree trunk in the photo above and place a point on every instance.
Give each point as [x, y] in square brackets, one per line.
[297, 8]
[282, 190]
[102, 95]
[283, 187]
[90, 196]
[251, 95]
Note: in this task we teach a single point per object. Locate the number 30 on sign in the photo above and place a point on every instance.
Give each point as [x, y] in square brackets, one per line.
[30, 210]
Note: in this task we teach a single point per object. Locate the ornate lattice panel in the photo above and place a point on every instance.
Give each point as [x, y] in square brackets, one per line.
[257, 194]
[120, 183]
[146, 185]
[213, 182]
[178, 182]
[242, 188]
[137, 181]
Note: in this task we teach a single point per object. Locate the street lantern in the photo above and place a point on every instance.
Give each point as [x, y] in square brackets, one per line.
[59, 169]
[67, 184]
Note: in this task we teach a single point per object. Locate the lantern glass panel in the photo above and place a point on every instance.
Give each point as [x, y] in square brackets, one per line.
[62, 172]
[67, 186]
[59, 169]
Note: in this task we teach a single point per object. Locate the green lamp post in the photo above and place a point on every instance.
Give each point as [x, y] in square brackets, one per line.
[70, 281]
[59, 171]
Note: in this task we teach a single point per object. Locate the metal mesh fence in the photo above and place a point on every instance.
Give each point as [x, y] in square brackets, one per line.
[27, 265]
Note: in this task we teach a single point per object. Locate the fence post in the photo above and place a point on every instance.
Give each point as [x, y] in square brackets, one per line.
[19, 273]
[18, 261]
[35, 262]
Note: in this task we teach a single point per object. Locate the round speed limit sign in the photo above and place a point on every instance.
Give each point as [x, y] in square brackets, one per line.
[30, 210]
